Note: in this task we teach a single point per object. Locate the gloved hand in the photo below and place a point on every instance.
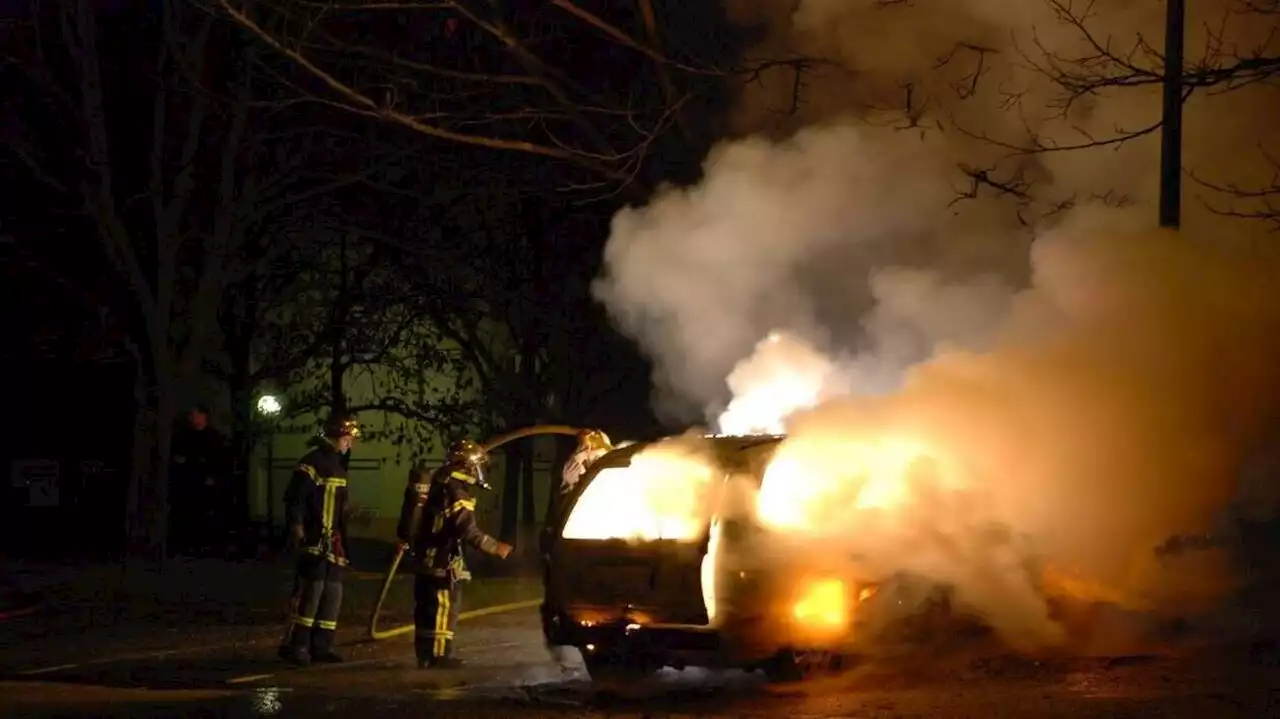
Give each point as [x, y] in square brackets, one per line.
[504, 550]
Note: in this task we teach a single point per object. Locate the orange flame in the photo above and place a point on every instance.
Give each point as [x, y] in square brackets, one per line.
[663, 494]
[824, 604]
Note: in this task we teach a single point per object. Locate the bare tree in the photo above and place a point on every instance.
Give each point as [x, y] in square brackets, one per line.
[1256, 202]
[555, 80]
[1104, 64]
[199, 172]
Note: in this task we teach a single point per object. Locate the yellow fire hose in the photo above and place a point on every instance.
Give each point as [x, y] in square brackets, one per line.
[494, 443]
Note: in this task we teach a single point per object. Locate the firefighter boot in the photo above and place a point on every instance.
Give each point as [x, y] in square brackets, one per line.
[296, 648]
[322, 647]
[295, 654]
[445, 660]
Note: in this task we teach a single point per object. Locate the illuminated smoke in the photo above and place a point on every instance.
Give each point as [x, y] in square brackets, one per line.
[782, 376]
[1128, 386]
[1072, 386]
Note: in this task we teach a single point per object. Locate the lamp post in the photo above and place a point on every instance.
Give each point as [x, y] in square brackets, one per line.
[269, 407]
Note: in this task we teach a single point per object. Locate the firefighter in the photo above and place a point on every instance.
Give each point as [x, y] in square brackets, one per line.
[592, 445]
[316, 516]
[437, 520]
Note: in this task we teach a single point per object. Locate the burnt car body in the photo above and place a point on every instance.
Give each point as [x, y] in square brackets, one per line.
[716, 596]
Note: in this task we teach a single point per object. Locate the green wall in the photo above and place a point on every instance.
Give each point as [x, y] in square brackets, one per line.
[378, 469]
[378, 478]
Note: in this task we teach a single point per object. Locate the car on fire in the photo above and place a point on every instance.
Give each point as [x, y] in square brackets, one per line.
[636, 590]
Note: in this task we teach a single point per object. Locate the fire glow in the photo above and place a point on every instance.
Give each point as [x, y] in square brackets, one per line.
[811, 482]
[662, 494]
[824, 604]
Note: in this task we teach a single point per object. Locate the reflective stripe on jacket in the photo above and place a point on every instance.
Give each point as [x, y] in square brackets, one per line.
[438, 520]
[316, 500]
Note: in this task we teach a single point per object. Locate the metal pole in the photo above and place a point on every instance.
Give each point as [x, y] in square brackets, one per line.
[271, 484]
[1171, 130]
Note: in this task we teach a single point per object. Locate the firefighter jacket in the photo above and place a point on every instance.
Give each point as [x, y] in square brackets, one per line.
[316, 501]
[438, 520]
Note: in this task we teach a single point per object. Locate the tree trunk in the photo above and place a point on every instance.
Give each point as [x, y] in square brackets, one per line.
[166, 411]
[532, 414]
[511, 493]
[564, 450]
[243, 437]
[241, 384]
[140, 466]
[147, 505]
[338, 333]
[528, 498]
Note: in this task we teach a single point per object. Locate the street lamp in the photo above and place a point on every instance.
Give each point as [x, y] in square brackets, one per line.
[269, 406]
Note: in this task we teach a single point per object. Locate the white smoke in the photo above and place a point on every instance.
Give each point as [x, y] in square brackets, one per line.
[1097, 388]
[782, 236]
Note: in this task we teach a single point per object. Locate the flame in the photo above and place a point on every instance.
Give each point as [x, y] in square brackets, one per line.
[823, 604]
[710, 564]
[812, 481]
[662, 494]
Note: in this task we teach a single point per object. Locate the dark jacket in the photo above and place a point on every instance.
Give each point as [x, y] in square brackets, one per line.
[438, 525]
[316, 501]
[200, 454]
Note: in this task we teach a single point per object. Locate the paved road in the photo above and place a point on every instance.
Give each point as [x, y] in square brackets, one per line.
[511, 676]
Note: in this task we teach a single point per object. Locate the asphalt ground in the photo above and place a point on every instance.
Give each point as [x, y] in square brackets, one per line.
[200, 641]
[509, 674]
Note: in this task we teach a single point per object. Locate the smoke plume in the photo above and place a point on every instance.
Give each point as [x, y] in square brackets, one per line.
[877, 264]
[1126, 389]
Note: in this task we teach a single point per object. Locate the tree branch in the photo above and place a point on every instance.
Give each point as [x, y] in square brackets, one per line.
[363, 105]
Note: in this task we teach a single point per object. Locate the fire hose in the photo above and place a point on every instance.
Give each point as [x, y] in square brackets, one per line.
[494, 443]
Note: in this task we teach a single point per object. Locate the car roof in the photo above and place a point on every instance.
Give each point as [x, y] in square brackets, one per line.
[730, 448]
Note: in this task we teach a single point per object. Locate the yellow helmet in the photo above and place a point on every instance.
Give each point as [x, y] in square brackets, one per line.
[465, 451]
[593, 439]
[341, 424]
[469, 460]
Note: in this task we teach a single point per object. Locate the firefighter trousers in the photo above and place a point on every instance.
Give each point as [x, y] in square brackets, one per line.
[436, 606]
[317, 599]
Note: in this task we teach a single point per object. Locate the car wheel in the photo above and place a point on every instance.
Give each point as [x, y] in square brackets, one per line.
[789, 666]
[786, 667]
[615, 668]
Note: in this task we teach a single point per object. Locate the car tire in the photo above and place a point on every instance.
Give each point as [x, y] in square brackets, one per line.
[611, 668]
[790, 666]
[785, 668]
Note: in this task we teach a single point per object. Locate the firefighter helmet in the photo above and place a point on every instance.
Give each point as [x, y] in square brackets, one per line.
[593, 440]
[341, 424]
[469, 461]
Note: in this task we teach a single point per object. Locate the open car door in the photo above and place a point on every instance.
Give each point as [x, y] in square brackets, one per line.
[615, 560]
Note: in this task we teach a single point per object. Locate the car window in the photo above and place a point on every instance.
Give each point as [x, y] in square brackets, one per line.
[624, 503]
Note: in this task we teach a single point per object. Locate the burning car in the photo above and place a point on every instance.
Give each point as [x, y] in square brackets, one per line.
[658, 559]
